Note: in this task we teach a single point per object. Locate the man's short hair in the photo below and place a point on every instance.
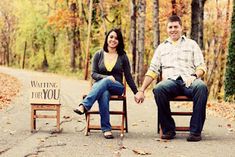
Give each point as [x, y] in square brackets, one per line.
[174, 18]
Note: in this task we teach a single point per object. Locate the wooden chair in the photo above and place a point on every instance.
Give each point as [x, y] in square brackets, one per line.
[44, 107]
[123, 113]
[180, 98]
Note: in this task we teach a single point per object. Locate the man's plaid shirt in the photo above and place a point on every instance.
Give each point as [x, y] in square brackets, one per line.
[174, 60]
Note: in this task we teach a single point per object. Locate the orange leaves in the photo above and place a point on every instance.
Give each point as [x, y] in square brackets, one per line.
[219, 109]
[59, 19]
[9, 88]
[63, 18]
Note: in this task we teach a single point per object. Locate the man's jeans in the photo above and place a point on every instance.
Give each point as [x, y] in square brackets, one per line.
[167, 89]
[101, 91]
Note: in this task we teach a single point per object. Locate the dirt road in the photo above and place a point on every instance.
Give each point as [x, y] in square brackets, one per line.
[17, 140]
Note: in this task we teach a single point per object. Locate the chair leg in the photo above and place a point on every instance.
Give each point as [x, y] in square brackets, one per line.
[33, 120]
[158, 123]
[160, 132]
[58, 118]
[125, 111]
[87, 124]
[123, 123]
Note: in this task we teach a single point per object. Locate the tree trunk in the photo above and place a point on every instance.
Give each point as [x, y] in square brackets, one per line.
[88, 42]
[24, 53]
[73, 8]
[156, 29]
[140, 43]
[53, 44]
[79, 49]
[174, 7]
[45, 64]
[197, 18]
[73, 51]
[103, 15]
[223, 54]
[133, 35]
[8, 53]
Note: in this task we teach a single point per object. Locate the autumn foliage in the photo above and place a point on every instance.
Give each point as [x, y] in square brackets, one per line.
[10, 86]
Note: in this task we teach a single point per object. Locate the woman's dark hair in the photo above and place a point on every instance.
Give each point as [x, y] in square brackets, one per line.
[120, 46]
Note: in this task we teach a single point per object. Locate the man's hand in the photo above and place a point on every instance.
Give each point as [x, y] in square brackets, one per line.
[189, 81]
[139, 97]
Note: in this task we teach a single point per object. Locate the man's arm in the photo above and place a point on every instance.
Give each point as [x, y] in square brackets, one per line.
[151, 74]
[147, 81]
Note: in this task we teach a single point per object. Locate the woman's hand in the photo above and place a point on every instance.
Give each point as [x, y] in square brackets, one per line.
[139, 97]
[111, 78]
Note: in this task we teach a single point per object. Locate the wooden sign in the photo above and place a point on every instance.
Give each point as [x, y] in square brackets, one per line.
[45, 90]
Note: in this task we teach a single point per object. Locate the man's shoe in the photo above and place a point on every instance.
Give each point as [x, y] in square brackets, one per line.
[194, 138]
[169, 135]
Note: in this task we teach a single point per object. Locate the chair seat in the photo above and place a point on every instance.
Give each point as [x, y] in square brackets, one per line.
[181, 98]
[113, 97]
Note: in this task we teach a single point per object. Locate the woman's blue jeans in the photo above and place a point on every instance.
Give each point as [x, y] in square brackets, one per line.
[167, 89]
[101, 91]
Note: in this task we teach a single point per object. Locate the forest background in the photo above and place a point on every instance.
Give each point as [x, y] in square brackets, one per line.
[61, 36]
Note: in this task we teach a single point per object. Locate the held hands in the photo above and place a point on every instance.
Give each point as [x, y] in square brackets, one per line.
[189, 81]
[139, 97]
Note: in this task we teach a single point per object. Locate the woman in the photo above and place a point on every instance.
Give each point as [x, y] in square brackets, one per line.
[108, 67]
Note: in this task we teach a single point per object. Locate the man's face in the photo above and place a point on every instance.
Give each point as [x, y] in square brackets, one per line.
[174, 30]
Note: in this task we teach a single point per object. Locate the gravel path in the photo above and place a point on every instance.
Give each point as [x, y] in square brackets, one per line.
[17, 140]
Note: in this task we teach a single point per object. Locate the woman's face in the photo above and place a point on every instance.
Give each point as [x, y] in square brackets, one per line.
[112, 40]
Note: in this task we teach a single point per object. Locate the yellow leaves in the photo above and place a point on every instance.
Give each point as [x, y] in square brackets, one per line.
[60, 1]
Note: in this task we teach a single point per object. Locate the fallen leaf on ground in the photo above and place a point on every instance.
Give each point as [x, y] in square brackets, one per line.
[117, 154]
[134, 124]
[66, 117]
[141, 152]
[161, 140]
[12, 132]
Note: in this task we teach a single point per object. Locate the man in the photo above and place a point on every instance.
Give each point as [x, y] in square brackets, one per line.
[180, 63]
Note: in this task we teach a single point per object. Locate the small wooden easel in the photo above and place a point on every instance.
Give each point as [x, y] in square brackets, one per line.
[45, 96]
